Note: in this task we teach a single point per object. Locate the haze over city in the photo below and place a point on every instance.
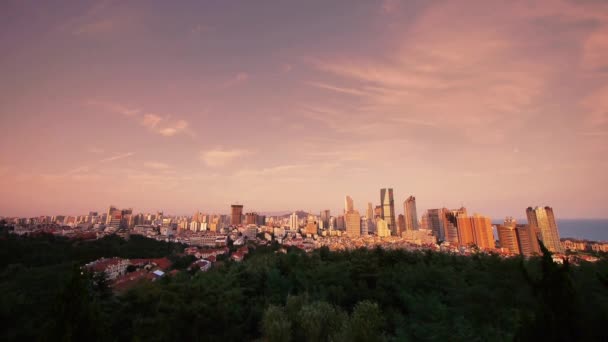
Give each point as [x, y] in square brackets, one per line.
[189, 106]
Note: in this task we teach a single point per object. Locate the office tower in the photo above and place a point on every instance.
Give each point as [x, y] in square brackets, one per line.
[325, 217]
[424, 221]
[411, 218]
[261, 220]
[348, 204]
[450, 224]
[113, 211]
[126, 221]
[382, 228]
[507, 236]
[340, 222]
[482, 231]
[333, 224]
[436, 222]
[527, 239]
[236, 214]
[544, 220]
[378, 211]
[293, 222]
[370, 210]
[465, 230]
[114, 217]
[251, 218]
[365, 225]
[388, 209]
[311, 226]
[353, 223]
[400, 224]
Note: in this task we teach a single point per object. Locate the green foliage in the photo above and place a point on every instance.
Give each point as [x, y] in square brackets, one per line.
[360, 295]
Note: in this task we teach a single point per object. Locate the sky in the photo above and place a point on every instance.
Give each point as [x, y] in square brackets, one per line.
[292, 105]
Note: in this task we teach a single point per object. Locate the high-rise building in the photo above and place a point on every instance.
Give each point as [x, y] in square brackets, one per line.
[340, 225]
[436, 222]
[411, 218]
[312, 227]
[348, 204]
[382, 228]
[450, 223]
[507, 236]
[378, 211]
[293, 222]
[236, 217]
[261, 220]
[353, 223]
[527, 239]
[544, 220]
[251, 218]
[466, 236]
[370, 210]
[325, 217]
[400, 224]
[482, 230]
[388, 209]
[365, 225]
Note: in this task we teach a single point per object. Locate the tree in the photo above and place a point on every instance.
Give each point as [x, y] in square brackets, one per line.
[276, 325]
[366, 322]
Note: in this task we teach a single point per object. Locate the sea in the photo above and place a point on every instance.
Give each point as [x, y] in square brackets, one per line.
[582, 229]
[586, 229]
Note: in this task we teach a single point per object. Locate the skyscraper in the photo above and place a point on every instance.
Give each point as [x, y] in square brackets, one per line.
[236, 214]
[325, 217]
[411, 218]
[388, 209]
[400, 224]
[293, 222]
[348, 204]
[353, 223]
[507, 236]
[251, 218]
[370, 210]
[352, 219]
[482, 230]
[527, 239]
[544, 220]
[382, 228]
[436, 222]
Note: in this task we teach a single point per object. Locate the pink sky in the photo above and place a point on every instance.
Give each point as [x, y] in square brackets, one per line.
[495, 105]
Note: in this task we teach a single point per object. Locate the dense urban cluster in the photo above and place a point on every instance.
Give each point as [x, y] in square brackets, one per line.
[441, 229]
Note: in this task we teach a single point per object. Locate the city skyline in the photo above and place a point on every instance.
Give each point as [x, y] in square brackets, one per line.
[196, 106]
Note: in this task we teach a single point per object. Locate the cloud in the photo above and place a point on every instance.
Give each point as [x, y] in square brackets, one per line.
[457, 74]
[115, 107]
[286, 67]
[219, 157]
[237, 79]
[156, 165]
[164, 126]
[116, 157]
[390, 6]
[95, 150]
[272, 171]
[595, 51]
[596, 104]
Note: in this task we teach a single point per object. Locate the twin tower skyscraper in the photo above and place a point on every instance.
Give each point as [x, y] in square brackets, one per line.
[386, 212]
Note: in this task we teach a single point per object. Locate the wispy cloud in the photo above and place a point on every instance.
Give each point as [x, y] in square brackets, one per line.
[116, 157]
[157, 165]
[115, 107]
[164, 126]
[237, 79]
[221, 157]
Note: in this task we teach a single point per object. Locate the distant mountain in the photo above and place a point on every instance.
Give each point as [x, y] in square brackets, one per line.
[285, 214]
